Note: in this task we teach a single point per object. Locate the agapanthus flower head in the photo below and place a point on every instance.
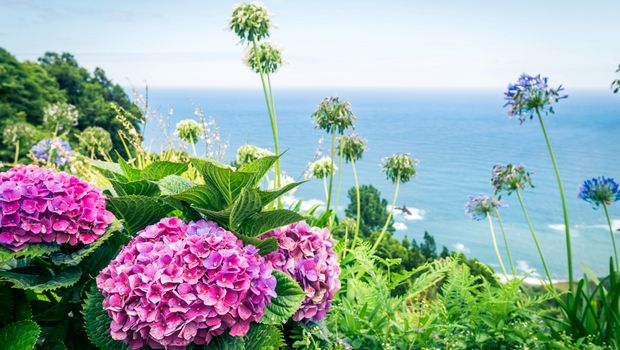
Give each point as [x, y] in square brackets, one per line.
[21, 133]
[400, 166]
[510, 178]
[322, 168]
[248, 153]
[188, 130]
[531, 95]
[344, 344]
[353, 146]
[95, 139]
[53, 150]
[599, 190]
[175, 284]
[267, 58]
[306, 254]
[59, 116]
[250, 22]
[43, 206]
[478, 207]
[334, 115]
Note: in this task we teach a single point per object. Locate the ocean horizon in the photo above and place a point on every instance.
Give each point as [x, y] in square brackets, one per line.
[457, 135]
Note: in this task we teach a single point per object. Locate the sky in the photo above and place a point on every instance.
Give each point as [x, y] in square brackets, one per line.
[440, 43]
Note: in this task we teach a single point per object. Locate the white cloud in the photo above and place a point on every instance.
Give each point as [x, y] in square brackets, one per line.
[460, 247]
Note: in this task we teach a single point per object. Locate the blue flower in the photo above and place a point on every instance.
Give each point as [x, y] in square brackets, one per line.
[599, 190]
[510, 177]
[529, 95]
[478, 207]
[58, 149]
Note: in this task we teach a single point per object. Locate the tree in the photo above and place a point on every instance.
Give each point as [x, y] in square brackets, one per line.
[374, 209]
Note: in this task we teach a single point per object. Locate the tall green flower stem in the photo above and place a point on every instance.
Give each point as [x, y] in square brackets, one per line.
[494, 240]
[16, 153]
[569, 252]
[272, 113]
[359, 203]
[340, 156]
[331, 173]
[540, 252]
[505, 237]
[325, 188]
[611, 232]
[387, 222]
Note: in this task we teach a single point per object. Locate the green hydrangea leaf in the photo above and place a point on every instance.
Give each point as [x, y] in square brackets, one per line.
[139, 188]
[222, 217]
[22, 335]
[264, 246]
[111, 171]
[247, 204]
[92, 264]
[264, 337]
[137, 212]
[288, 301]
[222, 342]
[97, 322]
[259, 168]
[60, 258]
[31, 251]
[266, 221]
[174, 184]
[160, 169]
[40, 281]
[269, 196]
[227, 181]
[202, 196]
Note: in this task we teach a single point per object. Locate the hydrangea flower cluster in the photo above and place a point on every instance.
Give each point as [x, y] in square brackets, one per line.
[322, 168]
[531, 95]
[248, 153]
[478, 207]
[40, 205]
[353, 146]
[175, 284]
[306, 254]
[54, 150]
[267, 58]
[399, 167]
[250, 22]
[510, 178]
[334, 115]
[600, 190]
[188, 130]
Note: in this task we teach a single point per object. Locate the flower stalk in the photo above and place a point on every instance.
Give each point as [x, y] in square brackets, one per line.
[495, 247]
[505, 237]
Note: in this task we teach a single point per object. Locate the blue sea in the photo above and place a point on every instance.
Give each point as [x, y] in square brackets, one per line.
[457, 135]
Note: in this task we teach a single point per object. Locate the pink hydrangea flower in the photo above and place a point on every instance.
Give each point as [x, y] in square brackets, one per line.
[40, 205]
[306, 254]
[176, 284]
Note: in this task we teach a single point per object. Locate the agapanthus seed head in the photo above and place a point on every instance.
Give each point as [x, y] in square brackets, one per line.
[509, 178]
[267, 57]
[43, 206]
[400, 167]
[21, 133]
[188, 130]
[175, 284]
[531, 95]
[306, 254]
[250, 22]
[599, 190]
[61, 115]
[322, 168]
[248, 153]
[52, 150]
[353, 147]
[334, 115]
[95, 139]
[478, 207]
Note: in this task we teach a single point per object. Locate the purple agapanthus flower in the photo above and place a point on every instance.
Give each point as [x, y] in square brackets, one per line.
[58, 149]
[175, 284]
[478, 207]
[306, 254]
[599, 190]
[531, 95]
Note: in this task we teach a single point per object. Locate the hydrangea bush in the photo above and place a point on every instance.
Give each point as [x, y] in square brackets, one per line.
[175, 284]
[40, 205]
[306, 253]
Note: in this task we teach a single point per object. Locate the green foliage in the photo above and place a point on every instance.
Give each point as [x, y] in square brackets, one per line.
[374, 209]
[31, 251]
[20, 335]
[287, 302]
[263, 337]
[137, 212]
[41, 280]
[97, 322]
